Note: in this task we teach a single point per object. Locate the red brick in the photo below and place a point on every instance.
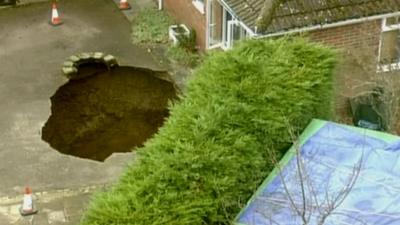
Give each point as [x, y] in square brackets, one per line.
[185, 12]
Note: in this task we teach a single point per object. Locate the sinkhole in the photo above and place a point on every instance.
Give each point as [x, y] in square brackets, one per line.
[107, 110]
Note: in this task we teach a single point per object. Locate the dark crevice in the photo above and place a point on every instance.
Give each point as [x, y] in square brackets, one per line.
[112, 111]
[91, 68]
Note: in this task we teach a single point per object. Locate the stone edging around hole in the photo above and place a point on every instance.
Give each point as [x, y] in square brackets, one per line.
[71, 65]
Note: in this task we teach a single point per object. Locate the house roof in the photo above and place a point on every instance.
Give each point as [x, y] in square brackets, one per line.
[271, 16]
[247, 11]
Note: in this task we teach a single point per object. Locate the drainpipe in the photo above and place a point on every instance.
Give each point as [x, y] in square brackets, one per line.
[159, 4]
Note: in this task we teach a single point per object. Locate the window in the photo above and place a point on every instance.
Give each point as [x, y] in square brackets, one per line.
[199, 4]
[216, 15]
[390, 41]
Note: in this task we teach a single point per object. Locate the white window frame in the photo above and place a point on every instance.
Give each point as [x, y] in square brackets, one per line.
[225, 43]
[199, 5]
[209, 27]
[392, 66]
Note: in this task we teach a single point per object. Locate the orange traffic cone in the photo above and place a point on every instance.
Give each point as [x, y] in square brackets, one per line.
[55, 19]
[123, 5]
[27, 207]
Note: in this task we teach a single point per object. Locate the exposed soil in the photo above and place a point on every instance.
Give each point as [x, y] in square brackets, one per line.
[108, 112]
[89, 69]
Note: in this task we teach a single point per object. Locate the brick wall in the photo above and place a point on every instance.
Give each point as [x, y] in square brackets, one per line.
[350, 36]
[357, 43]
[185, 12]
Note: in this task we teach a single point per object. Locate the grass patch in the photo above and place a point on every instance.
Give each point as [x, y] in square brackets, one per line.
[185, 52]
[183, 56]
[151, 26]
[211, 154]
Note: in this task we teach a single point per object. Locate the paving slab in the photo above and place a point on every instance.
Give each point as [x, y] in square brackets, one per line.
[56, 207]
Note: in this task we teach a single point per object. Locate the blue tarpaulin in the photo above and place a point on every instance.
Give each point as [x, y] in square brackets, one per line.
[348, 176]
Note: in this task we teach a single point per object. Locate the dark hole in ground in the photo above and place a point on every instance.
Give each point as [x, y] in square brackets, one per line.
[109, 112]
[90, 69]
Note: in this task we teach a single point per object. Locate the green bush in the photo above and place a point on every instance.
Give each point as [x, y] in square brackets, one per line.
[188, 42]
[151, 26]
[210, 156]
[185, 53]
[183, 56]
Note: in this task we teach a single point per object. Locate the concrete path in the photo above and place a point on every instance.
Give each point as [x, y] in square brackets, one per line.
[61, 207]
[31, 54]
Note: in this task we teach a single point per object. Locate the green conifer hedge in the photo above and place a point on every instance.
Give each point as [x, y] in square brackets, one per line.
[210, 156]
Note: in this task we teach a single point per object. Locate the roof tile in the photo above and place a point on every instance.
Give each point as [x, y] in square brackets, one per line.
[290, 14]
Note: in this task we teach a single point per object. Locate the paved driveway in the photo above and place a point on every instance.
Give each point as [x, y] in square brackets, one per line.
[31, 54]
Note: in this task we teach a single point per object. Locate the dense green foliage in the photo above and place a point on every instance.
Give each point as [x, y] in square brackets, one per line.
[184, 57]
[185, 52]
[151, 26]
[210, 156]
[188, 42]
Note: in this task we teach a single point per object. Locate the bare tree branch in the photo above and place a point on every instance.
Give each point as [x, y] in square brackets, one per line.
[310, 206]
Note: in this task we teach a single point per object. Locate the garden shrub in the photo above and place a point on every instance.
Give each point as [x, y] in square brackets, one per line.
[188, 42]
[210, 155]
[184, 57]
[185, 52]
